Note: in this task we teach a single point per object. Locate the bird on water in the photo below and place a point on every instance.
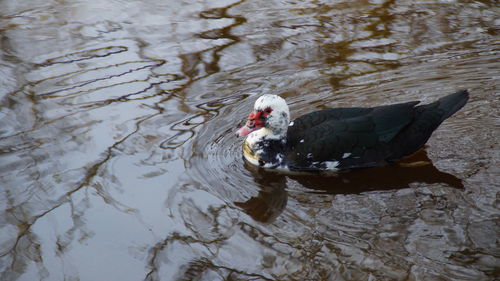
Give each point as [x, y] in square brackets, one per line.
[340, 138]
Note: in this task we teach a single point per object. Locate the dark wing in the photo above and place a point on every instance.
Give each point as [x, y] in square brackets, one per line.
[352, 136]
[308, 121]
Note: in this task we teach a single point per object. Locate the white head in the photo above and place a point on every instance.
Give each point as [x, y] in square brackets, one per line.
[270, 116]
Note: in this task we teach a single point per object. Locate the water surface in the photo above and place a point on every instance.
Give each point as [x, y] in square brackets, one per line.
[118, 159]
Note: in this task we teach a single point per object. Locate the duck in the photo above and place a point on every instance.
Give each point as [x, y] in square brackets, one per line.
[336, 139]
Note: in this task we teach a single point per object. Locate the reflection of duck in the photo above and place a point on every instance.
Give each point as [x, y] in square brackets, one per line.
[341, 138]
[415, 169]
[270, 201]
[272, 197]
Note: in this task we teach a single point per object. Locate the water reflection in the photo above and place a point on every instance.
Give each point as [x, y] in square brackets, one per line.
[118, 159]
[272, 197]
[410, 172]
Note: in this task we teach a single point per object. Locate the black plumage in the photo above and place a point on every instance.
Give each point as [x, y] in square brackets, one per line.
[365, 137]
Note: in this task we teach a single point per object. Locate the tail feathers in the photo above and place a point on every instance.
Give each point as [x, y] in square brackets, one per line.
[435, 113]
[452, 103]
[427, 118]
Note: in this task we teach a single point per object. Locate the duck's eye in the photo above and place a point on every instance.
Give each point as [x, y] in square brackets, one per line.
[268, 110]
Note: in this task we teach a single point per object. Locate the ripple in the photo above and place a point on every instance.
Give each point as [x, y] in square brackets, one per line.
[85, 55]
[118, 122]
[216, 160]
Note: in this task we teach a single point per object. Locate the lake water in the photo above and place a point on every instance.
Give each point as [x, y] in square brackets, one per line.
[119, 161]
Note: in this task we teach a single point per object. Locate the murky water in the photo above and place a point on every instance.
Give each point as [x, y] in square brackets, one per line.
[118, 159]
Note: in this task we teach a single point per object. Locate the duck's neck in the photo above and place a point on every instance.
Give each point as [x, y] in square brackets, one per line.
[265, 149]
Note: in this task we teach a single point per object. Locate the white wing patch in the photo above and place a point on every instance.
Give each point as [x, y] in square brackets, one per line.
[346, 155]
[331, 165]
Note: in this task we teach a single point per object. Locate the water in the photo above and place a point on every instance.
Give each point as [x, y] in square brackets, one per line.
[118, 159]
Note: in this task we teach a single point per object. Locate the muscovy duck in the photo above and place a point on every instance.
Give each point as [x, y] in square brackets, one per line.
[341, 138]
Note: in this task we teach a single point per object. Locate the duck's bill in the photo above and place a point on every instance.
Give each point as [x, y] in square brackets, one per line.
[249, 127]
[253, 123]
[245, 130]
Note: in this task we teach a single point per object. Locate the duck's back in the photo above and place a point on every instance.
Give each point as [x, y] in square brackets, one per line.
[343, 138]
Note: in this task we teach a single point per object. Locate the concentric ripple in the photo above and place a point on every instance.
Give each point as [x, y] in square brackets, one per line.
[217, 160]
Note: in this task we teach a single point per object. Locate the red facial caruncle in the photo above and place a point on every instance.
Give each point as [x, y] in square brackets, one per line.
[256, 120]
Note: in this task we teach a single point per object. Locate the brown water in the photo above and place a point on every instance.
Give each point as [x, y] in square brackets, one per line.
[118, 159]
